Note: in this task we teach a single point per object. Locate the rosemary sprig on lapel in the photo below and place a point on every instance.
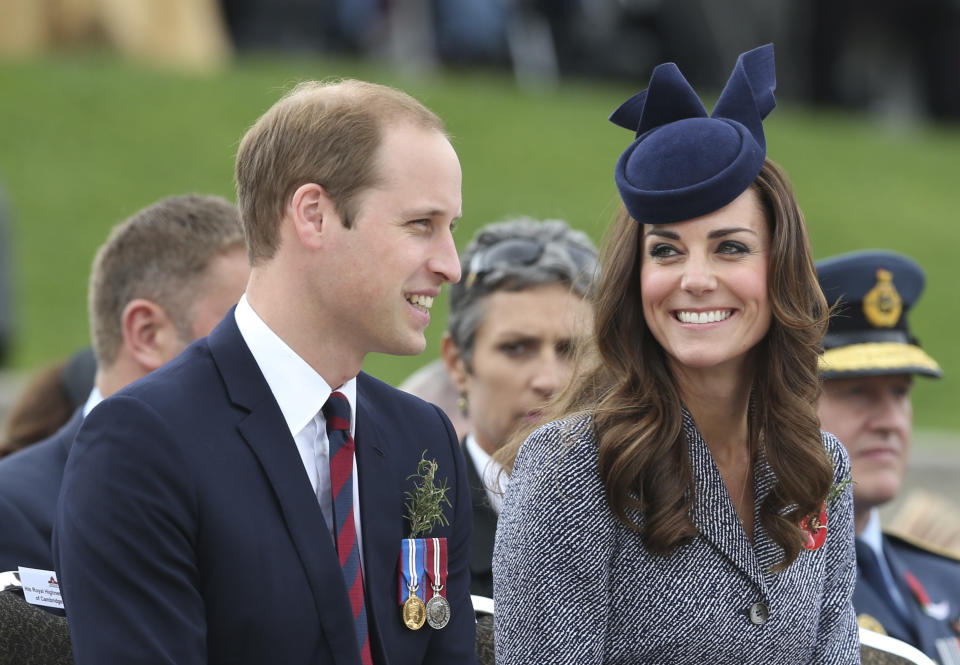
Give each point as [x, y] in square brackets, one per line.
[837, 488]
[425, 503]
[816, 524]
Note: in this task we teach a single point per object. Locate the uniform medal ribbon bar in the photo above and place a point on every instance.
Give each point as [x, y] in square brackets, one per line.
[438, 608]
[413, 582]
[939, 611]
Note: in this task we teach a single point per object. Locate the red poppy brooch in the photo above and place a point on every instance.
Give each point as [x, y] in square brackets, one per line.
[815, 524]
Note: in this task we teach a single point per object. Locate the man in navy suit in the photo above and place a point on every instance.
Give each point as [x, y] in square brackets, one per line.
[164, 277]
[196, 523]
[904, 588]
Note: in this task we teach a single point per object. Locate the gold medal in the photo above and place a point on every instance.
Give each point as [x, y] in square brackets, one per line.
[414, 612]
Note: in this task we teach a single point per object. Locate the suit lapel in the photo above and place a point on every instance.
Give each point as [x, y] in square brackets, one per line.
[714, 514]
[484, 520]
[867, 600]
[381, 513]
[922, 627]
[265, 432]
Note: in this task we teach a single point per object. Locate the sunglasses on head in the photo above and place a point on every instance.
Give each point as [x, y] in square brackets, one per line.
[522, 252]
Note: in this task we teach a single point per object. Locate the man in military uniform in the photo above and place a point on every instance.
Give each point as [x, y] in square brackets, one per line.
[904, 589]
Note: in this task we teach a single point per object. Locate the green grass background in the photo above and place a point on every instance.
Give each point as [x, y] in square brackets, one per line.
[87, 140]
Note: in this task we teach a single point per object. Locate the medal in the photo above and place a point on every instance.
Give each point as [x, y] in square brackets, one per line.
[414, 612]
[939, 611]
[413, 591]
[438, 612]
[438, 607]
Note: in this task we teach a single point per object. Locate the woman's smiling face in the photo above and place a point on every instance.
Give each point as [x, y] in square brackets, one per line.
[703, 284]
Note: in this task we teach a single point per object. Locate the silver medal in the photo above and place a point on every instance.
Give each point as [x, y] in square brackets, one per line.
[438, 612]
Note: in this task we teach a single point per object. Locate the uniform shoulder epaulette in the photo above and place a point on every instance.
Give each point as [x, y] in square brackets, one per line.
[924, 545]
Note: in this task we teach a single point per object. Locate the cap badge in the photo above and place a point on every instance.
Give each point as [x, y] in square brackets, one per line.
[882, 304]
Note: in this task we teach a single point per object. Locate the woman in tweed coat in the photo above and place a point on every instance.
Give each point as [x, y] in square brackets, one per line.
[686, 508]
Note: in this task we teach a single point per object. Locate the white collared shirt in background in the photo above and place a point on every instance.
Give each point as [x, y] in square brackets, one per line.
[301, 393]
[494, 482]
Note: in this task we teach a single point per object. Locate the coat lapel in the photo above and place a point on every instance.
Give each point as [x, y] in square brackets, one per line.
[766, 550]
[925, 630]
[381, 513]
[484, 520]
[265, 432]
[714, 514]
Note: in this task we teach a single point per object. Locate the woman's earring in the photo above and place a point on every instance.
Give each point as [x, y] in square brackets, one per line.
[462, 403]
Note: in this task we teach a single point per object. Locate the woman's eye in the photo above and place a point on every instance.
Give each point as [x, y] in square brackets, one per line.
[733, 247]
[565, 349]
[514, 349]
[662, 251]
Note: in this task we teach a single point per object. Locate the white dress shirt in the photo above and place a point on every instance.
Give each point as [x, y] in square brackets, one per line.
[301, 393]
[489, 469]
[94, 398]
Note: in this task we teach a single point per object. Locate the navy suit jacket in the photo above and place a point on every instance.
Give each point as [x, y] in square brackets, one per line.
[29, 485]
[188, 531]
[484, 533]
[940, 577]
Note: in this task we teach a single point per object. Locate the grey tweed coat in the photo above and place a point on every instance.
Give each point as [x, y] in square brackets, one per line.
[572, 584]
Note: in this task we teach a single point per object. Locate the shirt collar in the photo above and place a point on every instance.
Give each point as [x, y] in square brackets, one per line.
[95, 398]
[489, 470]
[872, 535]
[299, 390]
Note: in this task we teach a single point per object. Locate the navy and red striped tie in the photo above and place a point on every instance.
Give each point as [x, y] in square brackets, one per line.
[337, 414]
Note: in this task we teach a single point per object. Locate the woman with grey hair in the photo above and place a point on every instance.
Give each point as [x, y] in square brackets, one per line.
[515, 319]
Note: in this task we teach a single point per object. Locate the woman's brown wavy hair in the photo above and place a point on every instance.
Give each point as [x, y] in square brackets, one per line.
[627, 386]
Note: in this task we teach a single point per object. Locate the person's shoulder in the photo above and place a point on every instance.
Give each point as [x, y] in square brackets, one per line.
[15, 465]
[556, 487]
[407, 421]
[375, 388]
[838, 454]
[572, 429]
[932, 554]
[179, 403]
[833, 445]
[36, 462]
[179, 382]
[388, 399]
[566, 446]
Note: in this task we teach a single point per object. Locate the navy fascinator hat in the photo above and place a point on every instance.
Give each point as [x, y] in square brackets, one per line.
[684, 163]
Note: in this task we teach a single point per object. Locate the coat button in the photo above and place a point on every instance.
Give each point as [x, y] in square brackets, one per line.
[759, 613]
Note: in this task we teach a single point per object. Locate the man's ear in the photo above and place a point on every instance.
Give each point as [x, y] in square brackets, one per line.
[150, 337]
[312, 213]
[453, 361]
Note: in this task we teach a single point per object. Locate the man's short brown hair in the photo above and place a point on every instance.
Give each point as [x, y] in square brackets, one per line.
[320, 132]
[159, 254]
